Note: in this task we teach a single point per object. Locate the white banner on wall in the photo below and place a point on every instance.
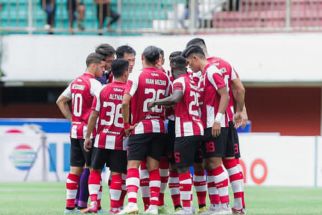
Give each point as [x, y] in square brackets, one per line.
[264, 57]
[267, 160]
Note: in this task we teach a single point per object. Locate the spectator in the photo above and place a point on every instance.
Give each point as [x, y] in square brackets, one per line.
[49, 6]
[104, 10]
[73, 7]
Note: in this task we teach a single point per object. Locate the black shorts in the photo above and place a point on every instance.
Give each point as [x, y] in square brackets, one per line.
[170, 139]
[187, 151]
[116, 160]
[78, 156]
[216, 146]
[233, 141]
[141, 146]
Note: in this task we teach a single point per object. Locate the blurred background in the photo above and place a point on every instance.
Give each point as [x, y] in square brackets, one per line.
[275, 45]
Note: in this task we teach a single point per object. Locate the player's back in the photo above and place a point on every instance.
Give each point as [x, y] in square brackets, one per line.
[82, 90]
[110, 130]
[149, 85]
[187, 111]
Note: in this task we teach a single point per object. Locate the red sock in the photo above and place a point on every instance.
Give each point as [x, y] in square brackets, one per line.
[116, 190]
[144, 185]
[94, 184]
[199, 182]
[132, 184]
[164, 176]
[174, 188]
[155, 184]
[71, 190]
[221, 182]
[185, 189]
[237, 182]
[212, 190]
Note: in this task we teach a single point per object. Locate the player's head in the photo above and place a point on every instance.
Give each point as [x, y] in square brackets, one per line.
[161, 63]
[198, 42]
[95, 64]
[108, 52]
[151, 56]
[127, 53]
[195, 57]
[179, 66]
[173, 55]
[120, 69]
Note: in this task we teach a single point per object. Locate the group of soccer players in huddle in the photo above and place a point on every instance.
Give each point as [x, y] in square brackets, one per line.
[150, 127]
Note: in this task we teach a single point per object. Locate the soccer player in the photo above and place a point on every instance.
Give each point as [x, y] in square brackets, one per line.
[127, 53]
[109, 55]
[236, 102]
[188, 128]
[80, 92]
[109, 147]
[146, 139]
[215, 101]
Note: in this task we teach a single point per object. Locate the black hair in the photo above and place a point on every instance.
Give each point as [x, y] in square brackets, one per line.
[178, 62]
[151, 54]
[175, 54]
[120, 51]
[94, 58]
[161, 52]
[194, 49]
[119, 66]
[196, 42]
[105, 49]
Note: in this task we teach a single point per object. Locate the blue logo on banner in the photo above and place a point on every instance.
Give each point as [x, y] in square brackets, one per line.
[22, 157]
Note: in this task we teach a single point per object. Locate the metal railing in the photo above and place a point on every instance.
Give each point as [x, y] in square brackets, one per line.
[155, 16]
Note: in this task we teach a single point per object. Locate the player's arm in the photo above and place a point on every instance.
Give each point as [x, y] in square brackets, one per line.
[126, 113]
[238, 90]
[90, 128]
[62, 103]
[176, 97]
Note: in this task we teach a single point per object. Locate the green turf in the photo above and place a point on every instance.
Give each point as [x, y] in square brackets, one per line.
[48, 199]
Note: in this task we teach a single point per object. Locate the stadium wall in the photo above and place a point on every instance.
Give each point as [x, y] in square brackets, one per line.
[264, 163]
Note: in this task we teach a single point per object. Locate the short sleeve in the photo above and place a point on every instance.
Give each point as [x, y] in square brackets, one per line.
[179, 84]
[234, 74]
[132, 85]
[215, 78]
[67, 92]
[96, 87]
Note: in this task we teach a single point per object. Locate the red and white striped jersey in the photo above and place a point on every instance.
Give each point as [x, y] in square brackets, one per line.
[169, 111]
[149, 85]
[212, 81]
[187, 111]
[82, 91]
[110, 128]
[229, 74]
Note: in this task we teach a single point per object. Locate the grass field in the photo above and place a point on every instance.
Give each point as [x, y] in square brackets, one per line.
[48, 199]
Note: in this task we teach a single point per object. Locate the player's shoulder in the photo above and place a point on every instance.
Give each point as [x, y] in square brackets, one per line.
[212, 68]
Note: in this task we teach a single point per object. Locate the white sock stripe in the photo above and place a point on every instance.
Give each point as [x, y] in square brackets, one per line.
[201, 188]
[237, 186]
[199, 178]
[210, 179]
[234, 170]
[145, 191]
[93, 188]
[185, 195]
[131, 195]
[174, 191]
[164, 172]
[144, 174]
[223, 191]
[154, 198]
[221, 177]
[71, 194]
[187, 181]
[173, 180]
[115, 194]
[133, 181]
[99, 195]
[68, 181]
[155, 184]
[212, 191]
